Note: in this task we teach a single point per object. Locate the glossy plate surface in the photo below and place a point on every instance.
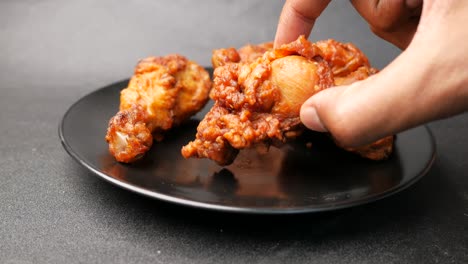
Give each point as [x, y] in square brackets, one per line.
[293, 179]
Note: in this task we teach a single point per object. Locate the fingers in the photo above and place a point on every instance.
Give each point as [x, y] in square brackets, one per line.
[400, 37]
[413, 90]
[297, 18]
[393, 20]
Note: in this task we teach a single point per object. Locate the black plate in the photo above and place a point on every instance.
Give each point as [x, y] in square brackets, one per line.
[293, 179]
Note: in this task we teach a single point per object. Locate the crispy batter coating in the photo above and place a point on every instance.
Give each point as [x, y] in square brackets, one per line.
[254, 105]
[343, 58]
[258, 92]
[162, 93]
[378, 150]
[247, 54]
[221, 57]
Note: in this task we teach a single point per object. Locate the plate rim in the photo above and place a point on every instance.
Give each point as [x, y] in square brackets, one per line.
[236, 209]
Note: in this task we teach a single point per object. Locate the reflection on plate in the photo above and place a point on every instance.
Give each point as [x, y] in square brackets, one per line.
[293, 179]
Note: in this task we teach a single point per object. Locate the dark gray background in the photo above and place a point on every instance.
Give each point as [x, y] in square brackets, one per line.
[53, 211]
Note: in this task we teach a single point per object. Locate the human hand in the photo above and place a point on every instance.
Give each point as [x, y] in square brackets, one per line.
[428, 81]
[393, 20]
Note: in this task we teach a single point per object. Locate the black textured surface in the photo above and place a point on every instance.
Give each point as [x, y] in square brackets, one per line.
[53, 211]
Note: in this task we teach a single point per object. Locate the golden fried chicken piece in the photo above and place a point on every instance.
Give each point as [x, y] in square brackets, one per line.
[343, 58]
[247, 54]
[257, 103]
[163, 92]
[221, 57]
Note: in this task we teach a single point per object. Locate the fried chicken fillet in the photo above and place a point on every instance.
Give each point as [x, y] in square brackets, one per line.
[246, 54]
[258, 92]
[162, 93]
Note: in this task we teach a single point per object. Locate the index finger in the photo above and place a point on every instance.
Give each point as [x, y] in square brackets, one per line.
[297, 18]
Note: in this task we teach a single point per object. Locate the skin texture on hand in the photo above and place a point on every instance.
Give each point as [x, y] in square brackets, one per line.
[428, 81]
[298, 18]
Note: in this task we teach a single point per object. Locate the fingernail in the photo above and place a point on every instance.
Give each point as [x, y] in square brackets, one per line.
[311, 120]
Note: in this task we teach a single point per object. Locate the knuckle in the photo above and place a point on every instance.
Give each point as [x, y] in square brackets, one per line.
[377, 31]
[382, 24]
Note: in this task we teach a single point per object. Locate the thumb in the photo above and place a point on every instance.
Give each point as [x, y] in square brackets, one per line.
[412, 90]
